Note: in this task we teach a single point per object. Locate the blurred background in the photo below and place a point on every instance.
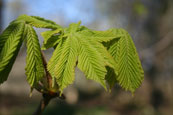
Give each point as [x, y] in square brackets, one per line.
[150, 23]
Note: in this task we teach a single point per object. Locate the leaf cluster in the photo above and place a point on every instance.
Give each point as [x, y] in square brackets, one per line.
[107, 57]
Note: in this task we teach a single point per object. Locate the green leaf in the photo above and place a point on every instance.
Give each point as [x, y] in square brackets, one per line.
[91, 62]
[65, 67]
[130, 72]
[34, 64]
[50, 38]
[111, 76]
[10, 43]
[38, 22]
[100, 36]
[63, 62]
[111, 65]
[55, 57]
[104, 36]
[4, 36]
[108, 59]
[73, 27]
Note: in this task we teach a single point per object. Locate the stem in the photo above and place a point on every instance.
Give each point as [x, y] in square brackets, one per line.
[45, 101]
[47, 96]
[43, 104]
[48, 76]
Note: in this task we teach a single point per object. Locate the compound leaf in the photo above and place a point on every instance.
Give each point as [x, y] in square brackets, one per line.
[75, 46]
[120, 63]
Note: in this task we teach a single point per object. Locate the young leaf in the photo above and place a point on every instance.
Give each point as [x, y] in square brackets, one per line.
[130, 72]
[4, 36]
[38, 22]
[63, 62]
[50, 39]
[55, 57]
[94, 37]
[65, 67]
[100, 36]
[73, 28]
[108, 59]
[10, 43]
[111, 76]
[34, 64]
[91, 62]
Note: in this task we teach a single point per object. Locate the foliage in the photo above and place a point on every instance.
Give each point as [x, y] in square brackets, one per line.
[107, 57]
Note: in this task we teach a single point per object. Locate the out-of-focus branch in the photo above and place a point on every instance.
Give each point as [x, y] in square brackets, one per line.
[164, 43]
[158, 47]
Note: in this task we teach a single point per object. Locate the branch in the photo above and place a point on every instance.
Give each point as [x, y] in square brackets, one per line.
[158, 47]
